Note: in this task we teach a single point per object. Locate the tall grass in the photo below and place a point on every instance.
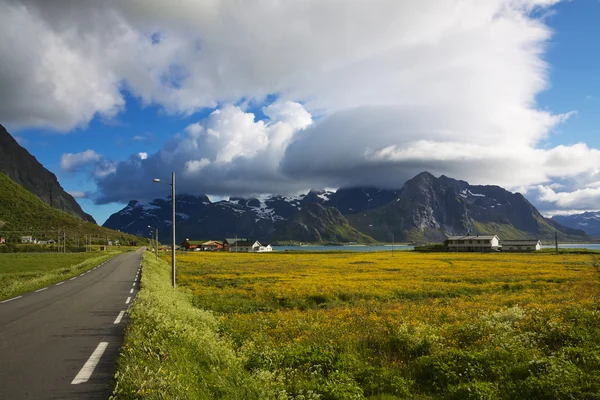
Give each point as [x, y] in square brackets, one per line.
[173, 350]
[23, 272]
[365, 326]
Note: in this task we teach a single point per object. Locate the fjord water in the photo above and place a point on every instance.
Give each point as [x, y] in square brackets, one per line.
[358, 248]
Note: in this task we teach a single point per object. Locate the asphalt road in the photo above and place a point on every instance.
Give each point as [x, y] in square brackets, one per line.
[62, 342]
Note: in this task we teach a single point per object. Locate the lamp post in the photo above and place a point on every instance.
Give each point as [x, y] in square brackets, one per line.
[172, 184]
[155, 241]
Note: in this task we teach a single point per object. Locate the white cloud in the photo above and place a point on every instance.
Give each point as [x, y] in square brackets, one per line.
[368, 92]
[70, 162]
[143, 155]
[587, 198]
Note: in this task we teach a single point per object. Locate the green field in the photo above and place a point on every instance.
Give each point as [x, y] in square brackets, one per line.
[23, 272]
[365, 325]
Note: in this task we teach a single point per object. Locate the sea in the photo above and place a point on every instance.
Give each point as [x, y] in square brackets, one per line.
[366, 248]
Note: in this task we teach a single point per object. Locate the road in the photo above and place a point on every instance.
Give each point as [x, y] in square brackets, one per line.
[61, 342]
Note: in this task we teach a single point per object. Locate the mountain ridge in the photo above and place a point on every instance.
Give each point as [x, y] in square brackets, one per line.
[588, 222]
[425, 209]
[23, 168]
[23, 213]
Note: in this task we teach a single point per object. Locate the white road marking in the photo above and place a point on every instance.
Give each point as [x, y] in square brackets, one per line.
[40, 290]
[80, 274]
[90, 365]
[73, 278]
[119, 317]
[128, 300]
[14, 298]
[133, 284]
[131, 291]
[60, 283]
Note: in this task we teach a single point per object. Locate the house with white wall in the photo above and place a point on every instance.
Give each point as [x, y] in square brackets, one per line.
[521, 245]
[473, 243]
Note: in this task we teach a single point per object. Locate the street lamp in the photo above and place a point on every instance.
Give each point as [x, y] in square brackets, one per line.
[172, 184]
[155, 241]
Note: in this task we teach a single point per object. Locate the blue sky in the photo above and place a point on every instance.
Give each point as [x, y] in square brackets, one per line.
[333, 102]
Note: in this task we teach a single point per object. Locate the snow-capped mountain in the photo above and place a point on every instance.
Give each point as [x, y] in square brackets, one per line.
[197, 217]
[589, 222]
[425, 209]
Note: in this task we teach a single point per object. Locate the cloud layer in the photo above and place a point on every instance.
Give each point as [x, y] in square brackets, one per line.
[368, 93]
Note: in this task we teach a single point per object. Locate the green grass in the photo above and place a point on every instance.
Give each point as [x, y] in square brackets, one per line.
[23, 272]
[22, 210]
[173, 350]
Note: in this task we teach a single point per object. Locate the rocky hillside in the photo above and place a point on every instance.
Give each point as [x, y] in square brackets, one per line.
[425, 209]
[316, 223]
[283, 218]
[429, 208]
[23, 168]
[588, 222]
[22, 213]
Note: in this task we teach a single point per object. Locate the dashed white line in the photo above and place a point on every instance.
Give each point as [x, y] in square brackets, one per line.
[131, 291]
[41, 290]
[60, 283]
[90, 365]
[80, 274]
[73, 278]
[128, 300]
[14, 298]
[133, 284]
[119, 317]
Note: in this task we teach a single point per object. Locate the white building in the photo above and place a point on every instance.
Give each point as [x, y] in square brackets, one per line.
[473, 243]
[521, 245]
[265, 247]
[245, 246]
[28, 240]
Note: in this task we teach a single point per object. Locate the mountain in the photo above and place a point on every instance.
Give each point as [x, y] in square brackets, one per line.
[425, 209]
[23, 168]
[429, 208]
[588, 222]
[284, 218]
[22, 213]
[316, 223]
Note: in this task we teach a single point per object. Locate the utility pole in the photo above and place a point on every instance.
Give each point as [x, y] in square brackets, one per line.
[392, 245]
[556, 241]
[173, 226]
[156, 242]
[64, 242]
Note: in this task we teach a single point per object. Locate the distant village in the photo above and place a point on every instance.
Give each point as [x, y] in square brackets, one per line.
[238, 245]
[468, 243]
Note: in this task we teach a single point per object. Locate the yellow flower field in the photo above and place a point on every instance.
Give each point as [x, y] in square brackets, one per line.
[434, 325]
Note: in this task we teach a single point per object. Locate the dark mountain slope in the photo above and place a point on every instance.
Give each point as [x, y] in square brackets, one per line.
[23, 168]
[25, 213]
[429, 208]
[588, 222]
[315, 223]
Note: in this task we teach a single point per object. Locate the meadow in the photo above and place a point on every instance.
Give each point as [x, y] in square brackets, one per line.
[377, 326]
[23, 272]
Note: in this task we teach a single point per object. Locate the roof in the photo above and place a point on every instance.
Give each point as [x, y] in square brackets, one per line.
[233, 240]
[245, 243]
[533, 242]
[194, 241]
[212, 243]
[472, 237]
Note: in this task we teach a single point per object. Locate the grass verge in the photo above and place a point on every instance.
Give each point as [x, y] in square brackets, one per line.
[24, 272]
[173, 350]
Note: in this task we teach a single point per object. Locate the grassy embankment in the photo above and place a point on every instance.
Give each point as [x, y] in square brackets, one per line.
[22, 213]
[366, 325]
[23, 272]
[173, 350]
